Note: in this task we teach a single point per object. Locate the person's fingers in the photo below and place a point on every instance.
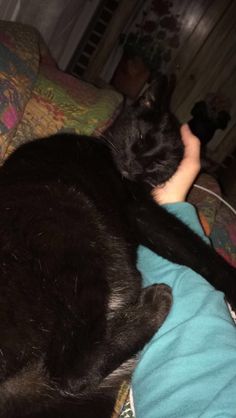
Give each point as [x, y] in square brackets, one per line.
[177, 187]
[191, 143]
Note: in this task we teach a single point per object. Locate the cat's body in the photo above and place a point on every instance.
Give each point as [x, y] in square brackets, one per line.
[70, 294]
[71, 306]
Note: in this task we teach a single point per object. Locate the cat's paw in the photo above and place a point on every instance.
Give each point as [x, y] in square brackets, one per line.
[157, 300]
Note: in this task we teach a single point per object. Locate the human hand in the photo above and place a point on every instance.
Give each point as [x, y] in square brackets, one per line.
[177, 187]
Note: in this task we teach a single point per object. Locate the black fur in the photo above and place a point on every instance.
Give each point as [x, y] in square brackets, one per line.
[206, 121]
[72, 312]
[70, 295]
[147, 147]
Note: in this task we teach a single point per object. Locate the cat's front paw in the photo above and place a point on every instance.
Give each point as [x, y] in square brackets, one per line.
[157, 300]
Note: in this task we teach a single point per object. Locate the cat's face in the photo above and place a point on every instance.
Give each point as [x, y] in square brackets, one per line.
[147, 143]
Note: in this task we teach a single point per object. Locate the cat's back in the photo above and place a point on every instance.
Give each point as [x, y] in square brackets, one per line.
[59, 229]
[62, 161]
[55, 155]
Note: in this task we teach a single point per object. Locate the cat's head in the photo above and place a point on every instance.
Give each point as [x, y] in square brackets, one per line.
[146, 140]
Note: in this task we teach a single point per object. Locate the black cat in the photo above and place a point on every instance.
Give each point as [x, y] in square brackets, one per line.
[72, 312]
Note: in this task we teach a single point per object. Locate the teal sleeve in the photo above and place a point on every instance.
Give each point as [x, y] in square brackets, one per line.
[188, 369]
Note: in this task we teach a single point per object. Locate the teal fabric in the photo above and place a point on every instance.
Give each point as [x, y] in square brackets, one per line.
[188, 370]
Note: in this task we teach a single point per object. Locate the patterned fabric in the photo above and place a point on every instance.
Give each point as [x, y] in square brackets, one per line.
[216, 218]
[206, 204]
[127, 411]
[223, 235]
[122, 407]
[19, 59]
[61, 103]
[37, 99]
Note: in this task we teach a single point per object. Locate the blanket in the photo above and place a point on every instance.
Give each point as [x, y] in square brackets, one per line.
[37, 99]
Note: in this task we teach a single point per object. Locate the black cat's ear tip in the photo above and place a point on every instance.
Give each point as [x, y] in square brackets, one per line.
[148, 103]
[147, 98]
[158, 93]
[150, 95]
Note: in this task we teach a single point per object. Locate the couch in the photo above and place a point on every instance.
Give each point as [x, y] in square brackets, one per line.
[37, 99]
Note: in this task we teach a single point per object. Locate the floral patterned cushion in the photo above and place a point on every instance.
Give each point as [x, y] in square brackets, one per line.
[61, 103]
[216, 218]
[19, 60]
[37, 99]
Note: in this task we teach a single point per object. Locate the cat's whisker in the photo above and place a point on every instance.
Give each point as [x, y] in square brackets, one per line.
[109, 143]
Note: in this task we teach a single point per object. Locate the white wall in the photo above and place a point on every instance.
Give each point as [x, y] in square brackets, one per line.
[9, 9]
[42, 14]
[60, 22]
[71, 28]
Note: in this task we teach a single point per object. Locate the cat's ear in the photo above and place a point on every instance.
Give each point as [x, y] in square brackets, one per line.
[148, 98]
[158, 95]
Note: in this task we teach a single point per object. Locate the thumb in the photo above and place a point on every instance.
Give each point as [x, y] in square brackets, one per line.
[191, 145]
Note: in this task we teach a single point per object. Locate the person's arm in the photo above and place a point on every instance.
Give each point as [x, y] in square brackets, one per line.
[172, 196]
[176, 189]
[173, 193]
[186, 369]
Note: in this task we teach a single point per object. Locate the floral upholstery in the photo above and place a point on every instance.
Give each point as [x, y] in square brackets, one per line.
[37, 99]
